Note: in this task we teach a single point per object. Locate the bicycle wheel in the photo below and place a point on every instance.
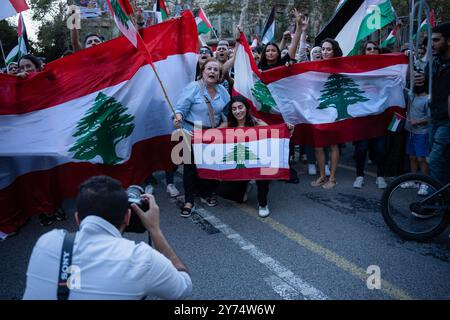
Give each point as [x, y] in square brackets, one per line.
[411, 210]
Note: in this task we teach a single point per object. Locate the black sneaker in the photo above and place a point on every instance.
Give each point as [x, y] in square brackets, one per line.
[46, 220]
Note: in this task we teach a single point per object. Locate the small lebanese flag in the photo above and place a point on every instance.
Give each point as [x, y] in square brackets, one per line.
[396, 123]
[121, 9]
[9, 8]
[239, 154]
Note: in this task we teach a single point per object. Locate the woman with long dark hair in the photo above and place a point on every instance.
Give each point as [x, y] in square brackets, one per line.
[239, 116]
[330, 49]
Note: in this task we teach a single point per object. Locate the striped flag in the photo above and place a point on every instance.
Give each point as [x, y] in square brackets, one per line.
[9, 8]
[120, 10]
[425, 24]
[396, 123]
[390, 40]
[247, 82]
[343, 99]
[21, 49]
[78, 120]
[236, 154]
[161, 11]
[203, 24]
[363, 16]
[269, 29]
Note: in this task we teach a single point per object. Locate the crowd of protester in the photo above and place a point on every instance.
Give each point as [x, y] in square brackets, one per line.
[212, 87]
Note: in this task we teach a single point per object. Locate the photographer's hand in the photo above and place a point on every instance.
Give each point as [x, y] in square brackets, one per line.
[150, 219]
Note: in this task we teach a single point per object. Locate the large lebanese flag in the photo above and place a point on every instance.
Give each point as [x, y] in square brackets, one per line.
[9, 8]
[339, 100]
[250, 153]
[248, 83]
[98, 111]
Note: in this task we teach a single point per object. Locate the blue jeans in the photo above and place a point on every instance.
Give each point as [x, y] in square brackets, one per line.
[439, 165]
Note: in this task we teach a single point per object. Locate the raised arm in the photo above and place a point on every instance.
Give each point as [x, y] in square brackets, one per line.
[297, 34]
[226, 67]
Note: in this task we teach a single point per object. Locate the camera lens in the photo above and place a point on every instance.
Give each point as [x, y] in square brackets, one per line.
[134, 193]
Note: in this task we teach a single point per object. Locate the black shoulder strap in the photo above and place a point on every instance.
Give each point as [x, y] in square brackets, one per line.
[64, 264]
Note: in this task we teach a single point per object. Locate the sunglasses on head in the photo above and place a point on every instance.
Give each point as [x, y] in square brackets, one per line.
[204, 51]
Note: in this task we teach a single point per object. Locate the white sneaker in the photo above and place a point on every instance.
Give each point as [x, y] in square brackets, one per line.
[172, 190]
[312, 171]
[359, 182]
[408, 185]
[149, 189]
[327, 170]
[381, 183]
[263, 211]
[423, 190]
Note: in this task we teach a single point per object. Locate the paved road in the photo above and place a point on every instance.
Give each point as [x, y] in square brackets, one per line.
[316, 244]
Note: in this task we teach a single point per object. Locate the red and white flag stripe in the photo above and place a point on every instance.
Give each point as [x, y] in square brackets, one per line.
[9, 8]
[235, 154]
[39, 117]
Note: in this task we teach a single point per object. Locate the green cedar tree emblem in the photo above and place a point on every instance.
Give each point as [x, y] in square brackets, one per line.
[104, 125]
[240, 154]
[340, 92]
[119, 13]
[263, 96]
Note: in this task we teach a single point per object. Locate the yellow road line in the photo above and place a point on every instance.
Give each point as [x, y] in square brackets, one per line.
[327, 254]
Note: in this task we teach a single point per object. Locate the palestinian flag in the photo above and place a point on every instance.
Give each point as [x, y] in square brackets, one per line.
[78, 119]
[425, 25]
[203, 24]
[362, 16]
[236, 154]
[390, 40]
[9, 8]
[396, 123]
[161, 9]
[247, 82]
[341, 100]
[21, 49]
[269, 28]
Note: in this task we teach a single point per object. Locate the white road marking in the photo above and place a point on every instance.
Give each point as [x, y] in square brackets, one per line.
[284, 282]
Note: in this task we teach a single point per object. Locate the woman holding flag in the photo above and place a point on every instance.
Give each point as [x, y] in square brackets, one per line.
[330, 49]
[201, 102]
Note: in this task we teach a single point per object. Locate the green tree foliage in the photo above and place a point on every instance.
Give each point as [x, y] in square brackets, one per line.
[101, 129]
[340, 92]
[264, 97]
[240, 154]
[53, 36]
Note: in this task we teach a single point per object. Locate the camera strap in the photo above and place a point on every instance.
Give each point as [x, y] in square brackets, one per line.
[64, 264]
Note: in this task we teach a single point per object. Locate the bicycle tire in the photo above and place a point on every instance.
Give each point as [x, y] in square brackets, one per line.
[442, 220]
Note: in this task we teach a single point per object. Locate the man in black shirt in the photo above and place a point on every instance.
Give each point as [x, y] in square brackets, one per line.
[439, 105]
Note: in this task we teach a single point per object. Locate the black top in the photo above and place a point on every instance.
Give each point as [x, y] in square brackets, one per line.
[282, 62]
[441, 89]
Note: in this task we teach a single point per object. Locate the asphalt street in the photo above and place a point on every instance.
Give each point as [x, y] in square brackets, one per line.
[316, 244]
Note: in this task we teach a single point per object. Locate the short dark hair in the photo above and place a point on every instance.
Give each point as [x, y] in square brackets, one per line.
[336, 48]
[93, 35]
[443, 28]
[104, 197]
[37, 63]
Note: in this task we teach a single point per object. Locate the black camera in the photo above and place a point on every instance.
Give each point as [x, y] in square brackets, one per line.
[134, 193]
